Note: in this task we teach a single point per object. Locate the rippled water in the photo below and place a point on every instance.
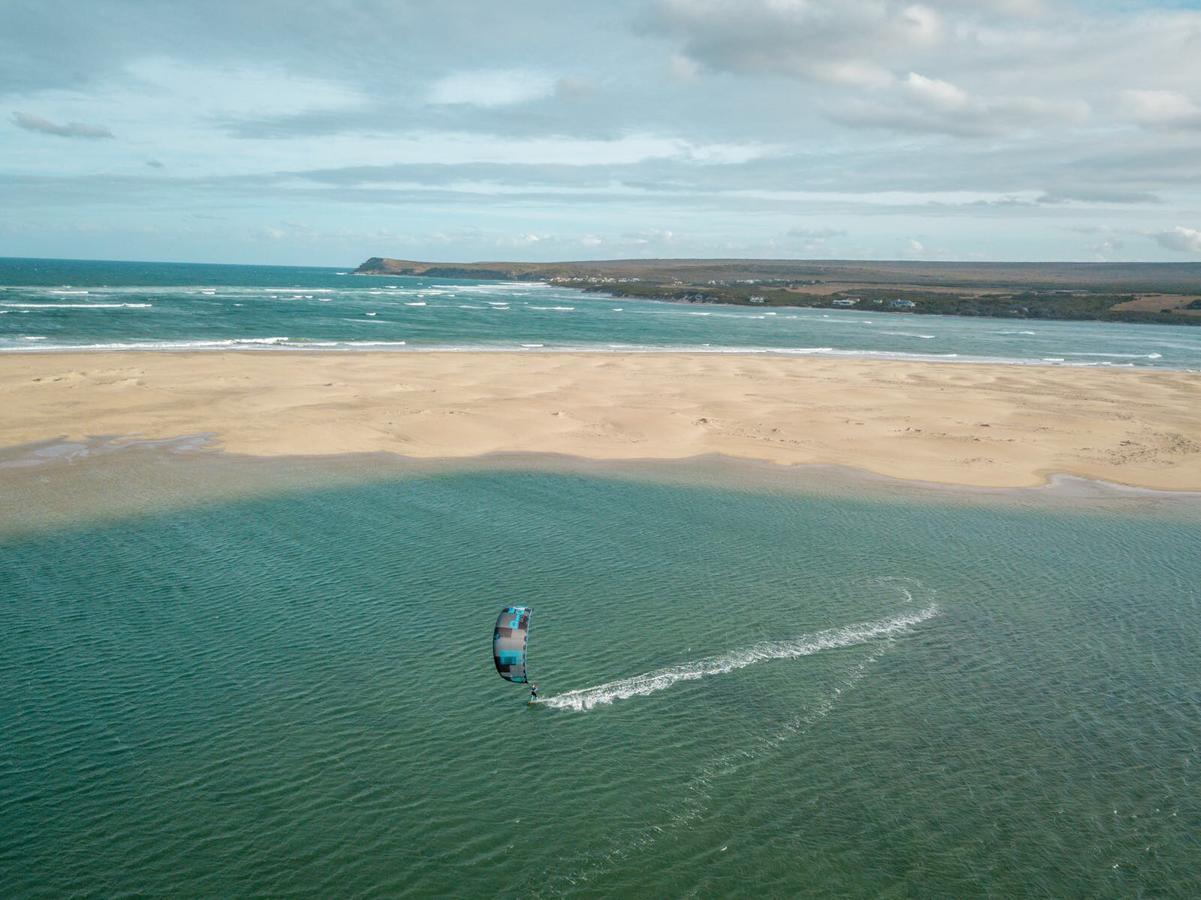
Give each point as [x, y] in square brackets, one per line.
[49, 305]
[744, 692]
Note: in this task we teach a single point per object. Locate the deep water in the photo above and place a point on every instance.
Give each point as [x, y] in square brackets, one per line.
[746, 692]
[48, 305]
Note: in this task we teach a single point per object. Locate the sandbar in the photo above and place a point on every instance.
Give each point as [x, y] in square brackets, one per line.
[963, 424]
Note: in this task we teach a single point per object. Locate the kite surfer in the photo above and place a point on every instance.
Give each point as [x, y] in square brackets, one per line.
[533, 692]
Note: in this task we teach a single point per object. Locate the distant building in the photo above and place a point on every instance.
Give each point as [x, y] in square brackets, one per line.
[845, 301]
[898, 303]
[758, 300]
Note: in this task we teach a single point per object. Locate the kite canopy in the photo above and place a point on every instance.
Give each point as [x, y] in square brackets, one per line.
[508, 642]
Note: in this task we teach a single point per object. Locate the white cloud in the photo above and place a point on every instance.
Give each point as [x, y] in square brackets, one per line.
[1160, 108]
[1107, 248]
[930, 105]
[936, 94]
[815, 234]
[492, 88]
[1180, 239]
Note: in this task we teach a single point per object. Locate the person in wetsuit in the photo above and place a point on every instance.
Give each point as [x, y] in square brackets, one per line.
[533, 692]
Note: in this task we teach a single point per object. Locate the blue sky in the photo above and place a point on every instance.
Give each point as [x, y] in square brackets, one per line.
[328, 131]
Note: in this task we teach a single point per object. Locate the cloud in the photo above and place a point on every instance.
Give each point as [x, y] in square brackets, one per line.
[932, 106]
[70, 130]
[816, 234]
[681, 68]
[1180, 239]
[491, 88]
[935, 94]
[1166, 109]
[1098, 195]
[817, 40]
[969, 123]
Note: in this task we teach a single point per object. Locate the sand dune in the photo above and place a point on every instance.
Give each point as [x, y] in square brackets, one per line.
[953, 423]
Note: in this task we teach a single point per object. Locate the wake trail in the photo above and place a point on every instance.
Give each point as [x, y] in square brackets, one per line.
[806, 645]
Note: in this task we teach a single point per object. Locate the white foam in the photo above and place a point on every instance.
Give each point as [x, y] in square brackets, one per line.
[66, 292]
[1016, 332]
[1118, 355]
[495, 286]
[925, 337]
[805, 645]
[416, 303]
[229, 343]
[552, 308]
[78, 305]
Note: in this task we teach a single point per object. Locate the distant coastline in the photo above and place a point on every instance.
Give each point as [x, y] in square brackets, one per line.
[1149, 293]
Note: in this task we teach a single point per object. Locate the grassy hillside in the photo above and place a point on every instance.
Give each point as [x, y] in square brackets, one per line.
[1166, 293]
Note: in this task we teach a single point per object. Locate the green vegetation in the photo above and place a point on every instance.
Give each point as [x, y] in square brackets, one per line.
[1056, 304]
[1091, 291]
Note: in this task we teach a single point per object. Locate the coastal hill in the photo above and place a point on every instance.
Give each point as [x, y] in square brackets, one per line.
[1163, 293]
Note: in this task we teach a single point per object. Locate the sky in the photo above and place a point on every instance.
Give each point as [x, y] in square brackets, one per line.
[327, 131]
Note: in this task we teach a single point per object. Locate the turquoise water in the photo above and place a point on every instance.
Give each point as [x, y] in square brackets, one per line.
[745, 692]
[56, 304]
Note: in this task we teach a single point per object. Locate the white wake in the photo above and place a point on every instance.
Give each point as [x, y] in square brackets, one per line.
[805, 645]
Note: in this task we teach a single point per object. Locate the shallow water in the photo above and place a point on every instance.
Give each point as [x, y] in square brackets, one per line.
[806, 692]
[48, 305]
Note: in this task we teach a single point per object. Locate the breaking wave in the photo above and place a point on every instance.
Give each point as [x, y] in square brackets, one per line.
[78, 305]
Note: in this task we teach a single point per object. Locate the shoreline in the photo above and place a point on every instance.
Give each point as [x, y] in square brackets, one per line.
[970, 424]
[284, 345]
[82, 484]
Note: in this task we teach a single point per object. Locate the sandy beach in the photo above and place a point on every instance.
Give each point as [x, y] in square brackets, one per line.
[984, 425]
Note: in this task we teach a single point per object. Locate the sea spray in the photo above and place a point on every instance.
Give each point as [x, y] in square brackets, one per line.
[805, 645]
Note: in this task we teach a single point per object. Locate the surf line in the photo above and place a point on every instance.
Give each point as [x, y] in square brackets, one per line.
[585, 699]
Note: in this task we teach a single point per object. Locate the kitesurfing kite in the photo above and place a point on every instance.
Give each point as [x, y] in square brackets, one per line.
[508, 643]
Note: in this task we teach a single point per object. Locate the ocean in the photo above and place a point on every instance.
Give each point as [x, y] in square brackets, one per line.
[231, 677]
[51, 305]
[227, 676]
